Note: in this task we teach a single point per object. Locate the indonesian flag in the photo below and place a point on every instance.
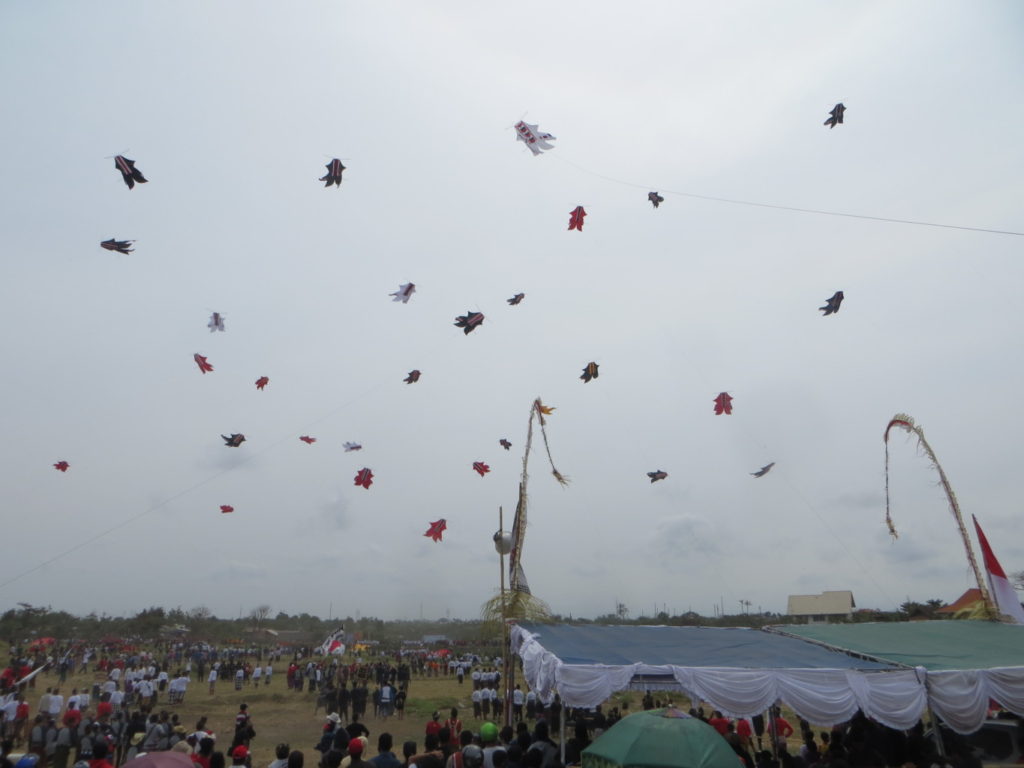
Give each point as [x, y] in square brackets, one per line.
[1007, 602]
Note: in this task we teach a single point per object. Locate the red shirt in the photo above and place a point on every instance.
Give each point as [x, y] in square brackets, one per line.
[743, 728]
[104, 709]
[433, 727]
[720, 724]
[782, 728]
[455, 729]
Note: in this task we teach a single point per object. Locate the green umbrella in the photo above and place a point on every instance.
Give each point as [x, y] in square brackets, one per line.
[660, 738]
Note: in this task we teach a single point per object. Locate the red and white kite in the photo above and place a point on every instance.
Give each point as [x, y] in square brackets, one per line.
[535, 140]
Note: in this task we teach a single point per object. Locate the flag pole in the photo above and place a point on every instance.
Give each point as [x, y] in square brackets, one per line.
[506, 649]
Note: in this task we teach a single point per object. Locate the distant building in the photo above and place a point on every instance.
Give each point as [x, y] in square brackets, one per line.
[432, 639]
[818, 609]
[970, 605]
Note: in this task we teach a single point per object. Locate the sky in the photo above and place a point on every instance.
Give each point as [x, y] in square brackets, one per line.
[233, 109]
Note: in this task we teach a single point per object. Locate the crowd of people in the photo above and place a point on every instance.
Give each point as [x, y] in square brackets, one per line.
[119, 716]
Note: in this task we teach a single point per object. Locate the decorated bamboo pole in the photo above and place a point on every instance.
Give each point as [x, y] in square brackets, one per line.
[905, 422]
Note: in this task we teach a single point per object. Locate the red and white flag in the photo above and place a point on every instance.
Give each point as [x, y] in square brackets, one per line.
[1007, 600]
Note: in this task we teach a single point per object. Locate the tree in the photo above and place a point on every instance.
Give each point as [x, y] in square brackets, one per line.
[1017, 579]
[259, 615]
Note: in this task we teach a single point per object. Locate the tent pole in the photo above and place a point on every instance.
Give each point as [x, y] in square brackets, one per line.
[561, 733]
[936, 735]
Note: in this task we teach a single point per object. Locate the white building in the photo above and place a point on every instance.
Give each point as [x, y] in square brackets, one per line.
[818, 609]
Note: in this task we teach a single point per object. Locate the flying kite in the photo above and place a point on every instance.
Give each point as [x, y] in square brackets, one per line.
[836, 116]
[504, 443]
[334, 169]
[536, 141]
[832, 305]
[437, 529]
[352, 447]
[307, 439]
[576, 218]
[121, 246]
[763, 470]
[657, 475]
[516, 299]
[204, 366]
[61, 466]
[723, 404]
[655, 199]
[261, 382]
[404, 292]
[413, 377]
[545, 410]
[226, 508]
[129, 172]
[469, 321]
[481, 468]
[589, 372]
[236, 439]
[364, 477]
[216, 323]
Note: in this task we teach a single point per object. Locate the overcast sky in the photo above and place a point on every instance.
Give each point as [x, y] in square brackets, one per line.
[232, 110]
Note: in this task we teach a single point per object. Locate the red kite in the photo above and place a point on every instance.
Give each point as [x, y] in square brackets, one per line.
[576, 218]
[364, 477]
[204, 366]
[437, 529]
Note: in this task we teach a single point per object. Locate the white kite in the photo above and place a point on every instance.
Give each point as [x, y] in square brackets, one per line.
[352, 447]
[404, 292]
[535, 140]
[216, 322]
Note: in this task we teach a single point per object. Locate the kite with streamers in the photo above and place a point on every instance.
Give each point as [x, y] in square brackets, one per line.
[906, 423]
[204, 366]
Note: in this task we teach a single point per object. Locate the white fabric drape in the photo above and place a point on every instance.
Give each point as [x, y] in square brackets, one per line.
[897, 698]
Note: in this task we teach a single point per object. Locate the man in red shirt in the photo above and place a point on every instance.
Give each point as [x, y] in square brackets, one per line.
[99, 755]
[719, 723]
[434, 726]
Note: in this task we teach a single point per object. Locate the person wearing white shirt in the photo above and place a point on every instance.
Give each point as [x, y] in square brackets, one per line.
[475, 677]
[117, 700]
[476, 697]
[56, 704]
[267, 672]
[212, 680]
[518, 699]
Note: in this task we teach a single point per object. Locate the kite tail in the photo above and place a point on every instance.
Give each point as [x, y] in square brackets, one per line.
[562, 479]
[888, 517]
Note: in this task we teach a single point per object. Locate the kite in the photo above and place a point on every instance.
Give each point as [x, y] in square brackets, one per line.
[334, 169]
[404, 293]
[307, 439]
[204, 366]
[469, 321]
[129, 172]
[226, 508]
[261, 382]
[545, 410]
[763, 470]
[437, 529]
[364, 477]
[516, 299]
[352, 447]
[216, 322]
[536, 141]
[832, 305]
[576, 218]
[655, 199]
[61, 466]
[481, 468]
[723, 404]
[836, 116]
[236, 439]
[590, 372]
[657, 475]
[121, 246]
[504, 443]
[413, 377]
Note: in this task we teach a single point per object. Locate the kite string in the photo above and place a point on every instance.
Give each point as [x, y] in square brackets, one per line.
[796, 209]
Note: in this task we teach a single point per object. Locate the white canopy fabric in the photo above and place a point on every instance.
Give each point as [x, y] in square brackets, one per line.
[746, 671]
[820, 692]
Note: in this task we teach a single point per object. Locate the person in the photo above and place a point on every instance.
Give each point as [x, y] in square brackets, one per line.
[212, 680]
[281, 752]
[296, 759]
[454, 726]
[267, 672]
[489, 740]
[434, 726]
[385, 757]
[202, 756]
[239, 756]
[408, 750]
[575, 746]
[400, 703]
[542, 743]
[518, 699]
[718, 722]
[100, 753]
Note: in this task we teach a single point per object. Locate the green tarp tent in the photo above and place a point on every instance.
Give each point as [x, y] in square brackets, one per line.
[660, 738]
